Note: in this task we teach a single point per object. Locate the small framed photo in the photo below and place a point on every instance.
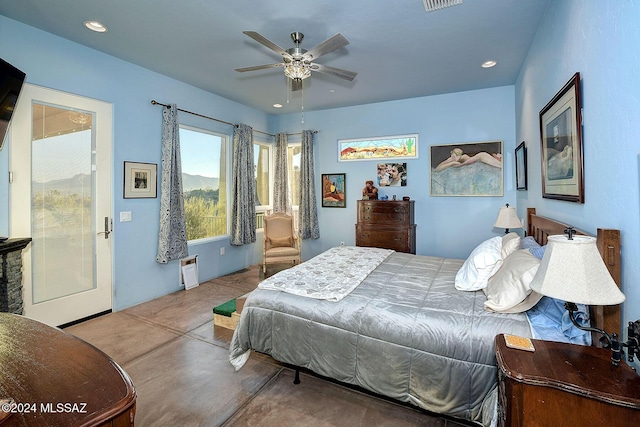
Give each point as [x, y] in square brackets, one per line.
[521, 167]
[391, 174]
[561, 140]
[140, 180]
[334, 190]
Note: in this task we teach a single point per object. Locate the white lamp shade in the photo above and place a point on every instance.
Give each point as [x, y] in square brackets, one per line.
[507, 218]
[573, 271]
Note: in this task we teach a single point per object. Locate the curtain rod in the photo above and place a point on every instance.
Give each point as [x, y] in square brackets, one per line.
[154, 102]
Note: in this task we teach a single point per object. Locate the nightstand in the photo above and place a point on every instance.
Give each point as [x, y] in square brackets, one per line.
[564, 385]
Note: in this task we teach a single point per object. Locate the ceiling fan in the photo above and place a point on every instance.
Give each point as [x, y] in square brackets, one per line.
[298, 62]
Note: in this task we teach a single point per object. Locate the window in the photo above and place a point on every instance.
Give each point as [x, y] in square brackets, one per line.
[204, 182]
[262, 172]
[293, 163]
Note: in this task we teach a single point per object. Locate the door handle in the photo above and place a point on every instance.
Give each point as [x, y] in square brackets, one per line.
[108, 227]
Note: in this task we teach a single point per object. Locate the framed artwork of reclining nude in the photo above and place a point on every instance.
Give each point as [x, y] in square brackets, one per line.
[561, 139]
[467, 169]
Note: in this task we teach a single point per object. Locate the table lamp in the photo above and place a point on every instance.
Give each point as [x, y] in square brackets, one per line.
[572, 270]
[507, 218]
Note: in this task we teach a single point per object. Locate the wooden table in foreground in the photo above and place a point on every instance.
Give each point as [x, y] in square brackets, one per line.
[56, 379]
[564, 385]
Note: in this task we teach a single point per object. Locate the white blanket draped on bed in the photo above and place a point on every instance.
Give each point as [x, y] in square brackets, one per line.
[330, 276]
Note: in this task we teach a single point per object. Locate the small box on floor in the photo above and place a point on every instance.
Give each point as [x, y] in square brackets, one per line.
[226, 321]
[240, 303]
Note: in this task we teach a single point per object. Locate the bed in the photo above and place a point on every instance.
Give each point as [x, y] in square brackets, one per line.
[405, 331]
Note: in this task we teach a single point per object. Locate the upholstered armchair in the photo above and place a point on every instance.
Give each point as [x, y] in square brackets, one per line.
[281, 244]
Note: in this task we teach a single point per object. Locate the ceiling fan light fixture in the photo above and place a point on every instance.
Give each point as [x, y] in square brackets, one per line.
[297, 70]
[433, 5]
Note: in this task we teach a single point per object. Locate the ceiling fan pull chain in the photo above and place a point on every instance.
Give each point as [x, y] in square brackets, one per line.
[302, 103]
[289, 88]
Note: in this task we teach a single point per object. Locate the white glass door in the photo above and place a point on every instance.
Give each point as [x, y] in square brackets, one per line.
[60, 196]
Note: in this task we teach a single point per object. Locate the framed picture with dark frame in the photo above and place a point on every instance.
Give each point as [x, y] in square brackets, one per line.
[334, 190]
[521, 167]
[561, 141]
[140, 180]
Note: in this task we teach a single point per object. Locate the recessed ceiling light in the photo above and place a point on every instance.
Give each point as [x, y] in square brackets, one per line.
[95, 26]
[277, 105]
[489, 64]
[332, 91]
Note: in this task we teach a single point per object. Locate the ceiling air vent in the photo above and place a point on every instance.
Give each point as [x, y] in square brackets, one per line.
[433, 5]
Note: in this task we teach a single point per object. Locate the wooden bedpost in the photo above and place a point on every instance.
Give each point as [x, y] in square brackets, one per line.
[530, 213]
[609, 247]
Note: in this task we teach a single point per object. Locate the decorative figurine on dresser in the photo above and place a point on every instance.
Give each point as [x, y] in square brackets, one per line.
[387, 224]
[369, 192]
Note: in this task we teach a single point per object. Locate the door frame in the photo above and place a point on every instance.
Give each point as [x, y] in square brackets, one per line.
[85, 304]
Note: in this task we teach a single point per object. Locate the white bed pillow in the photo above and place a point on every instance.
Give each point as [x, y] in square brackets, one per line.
[508, 290]
[483, 261]
[510, 244]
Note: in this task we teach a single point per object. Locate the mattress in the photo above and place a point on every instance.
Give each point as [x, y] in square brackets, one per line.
[404, 332]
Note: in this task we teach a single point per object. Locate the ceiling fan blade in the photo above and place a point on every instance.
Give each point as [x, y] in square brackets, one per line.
[259, 67]
[266, 42]
[329, 45]
[296, 85]
[338, 72]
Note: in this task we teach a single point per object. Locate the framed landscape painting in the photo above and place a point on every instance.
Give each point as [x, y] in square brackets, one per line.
[561, 140]
[387, 147]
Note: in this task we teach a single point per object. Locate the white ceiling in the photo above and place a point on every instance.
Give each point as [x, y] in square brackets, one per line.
[398, 50]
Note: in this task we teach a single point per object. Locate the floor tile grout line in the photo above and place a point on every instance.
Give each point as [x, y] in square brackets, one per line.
[246, 403]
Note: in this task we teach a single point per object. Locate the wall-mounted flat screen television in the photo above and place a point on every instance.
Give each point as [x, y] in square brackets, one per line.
[11, 81]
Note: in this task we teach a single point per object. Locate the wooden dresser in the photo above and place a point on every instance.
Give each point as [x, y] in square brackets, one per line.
[56, 379]
[563, 384]
[386, 224]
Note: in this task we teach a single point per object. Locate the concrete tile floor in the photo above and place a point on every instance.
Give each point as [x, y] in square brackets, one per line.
[178, 361]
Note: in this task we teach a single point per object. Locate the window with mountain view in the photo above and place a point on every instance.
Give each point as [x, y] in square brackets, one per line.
[204, 182]
[293, 163]
[262, 164]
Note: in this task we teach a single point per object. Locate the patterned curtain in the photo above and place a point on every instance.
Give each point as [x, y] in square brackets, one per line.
[243, 202]
[309, 228]
[172, 238]
[281, 202]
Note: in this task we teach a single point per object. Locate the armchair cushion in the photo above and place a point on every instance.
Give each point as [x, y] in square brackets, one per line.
[280, 242]
[287, 251]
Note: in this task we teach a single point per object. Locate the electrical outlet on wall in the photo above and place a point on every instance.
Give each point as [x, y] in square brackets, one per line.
[222, 250]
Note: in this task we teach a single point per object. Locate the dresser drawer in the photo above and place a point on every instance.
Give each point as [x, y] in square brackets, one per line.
[392, 212]
[399, 239]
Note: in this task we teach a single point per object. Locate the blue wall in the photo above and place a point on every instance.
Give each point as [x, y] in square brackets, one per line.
[446, 226]
[57, 63]
[599, 40]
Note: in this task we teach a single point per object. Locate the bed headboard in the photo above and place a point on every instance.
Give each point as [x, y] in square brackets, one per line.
[608, 242]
